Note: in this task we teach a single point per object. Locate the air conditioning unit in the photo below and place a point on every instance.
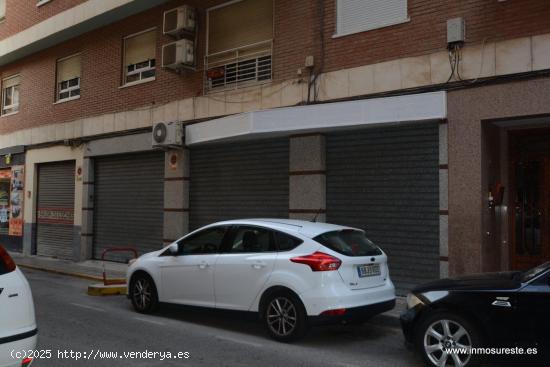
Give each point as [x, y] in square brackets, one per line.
[167, 134]
[180, 19]
[178, 54]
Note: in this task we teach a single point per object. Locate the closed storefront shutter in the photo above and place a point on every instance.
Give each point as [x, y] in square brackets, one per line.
[239, 180]
[129, 202]
[385, 181]
[55, 210]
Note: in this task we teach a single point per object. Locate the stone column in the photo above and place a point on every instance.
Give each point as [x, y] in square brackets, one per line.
[443, 201]
[176, 195]
[87, 230]
[307, 177]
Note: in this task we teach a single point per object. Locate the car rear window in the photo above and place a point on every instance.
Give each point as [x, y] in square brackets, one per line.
[349, 242]
[286, 242]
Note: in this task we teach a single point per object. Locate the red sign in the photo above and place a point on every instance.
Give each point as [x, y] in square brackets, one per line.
[55, 215]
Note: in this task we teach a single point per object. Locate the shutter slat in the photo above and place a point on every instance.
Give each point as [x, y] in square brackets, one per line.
[239, 180]
[129, 202]
[392, 192]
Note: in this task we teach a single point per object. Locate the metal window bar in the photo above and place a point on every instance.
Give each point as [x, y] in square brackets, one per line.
[239, 67]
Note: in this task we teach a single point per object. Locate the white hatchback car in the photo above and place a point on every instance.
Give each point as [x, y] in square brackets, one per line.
[17, 321]
[294, 273]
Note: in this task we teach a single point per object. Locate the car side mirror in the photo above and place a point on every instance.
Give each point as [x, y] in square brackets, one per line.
[173, 249]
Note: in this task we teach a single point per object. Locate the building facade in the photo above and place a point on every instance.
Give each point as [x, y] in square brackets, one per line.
[424, 123]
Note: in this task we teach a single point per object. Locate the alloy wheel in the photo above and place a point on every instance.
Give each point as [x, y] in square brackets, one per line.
[142, 293]
[443, 335]
[282, 316]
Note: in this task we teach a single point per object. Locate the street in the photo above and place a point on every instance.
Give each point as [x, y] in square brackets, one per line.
[71, 321]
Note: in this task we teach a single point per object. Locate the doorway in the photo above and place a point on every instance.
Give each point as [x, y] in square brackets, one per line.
[530, 199]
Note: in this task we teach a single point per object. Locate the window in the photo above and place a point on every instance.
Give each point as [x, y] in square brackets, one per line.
[68, 78]
[10, 95]
[204, 242]
[139, 57]
[349, 243]
[252, 239]
[2, 9]
[242, 56]
[286, 242]
[362, 15]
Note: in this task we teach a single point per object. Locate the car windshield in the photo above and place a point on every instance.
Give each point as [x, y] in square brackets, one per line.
[349, 242]
[533, 273]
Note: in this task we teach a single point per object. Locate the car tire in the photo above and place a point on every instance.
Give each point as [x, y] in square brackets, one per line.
[143, 294]
[284, 316]
[444, 329]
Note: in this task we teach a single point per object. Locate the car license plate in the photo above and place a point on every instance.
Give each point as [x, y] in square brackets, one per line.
[369, 270]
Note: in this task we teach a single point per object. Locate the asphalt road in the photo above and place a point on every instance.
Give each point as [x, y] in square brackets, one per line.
[69, 320]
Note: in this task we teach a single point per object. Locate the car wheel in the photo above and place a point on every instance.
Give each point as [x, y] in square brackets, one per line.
[143, 294]
[442, 331]
[285, 317]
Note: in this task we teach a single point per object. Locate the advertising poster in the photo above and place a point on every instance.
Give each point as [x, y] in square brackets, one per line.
[16, 201]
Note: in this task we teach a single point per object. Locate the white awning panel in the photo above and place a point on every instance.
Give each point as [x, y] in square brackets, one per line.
[320, 117]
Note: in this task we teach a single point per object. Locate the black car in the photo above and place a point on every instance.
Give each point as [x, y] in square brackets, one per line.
[505, 314]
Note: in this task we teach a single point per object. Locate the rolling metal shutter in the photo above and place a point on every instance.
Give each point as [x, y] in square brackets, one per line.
[129, 203]
[239, 180]
[386, 181]
[55, 210]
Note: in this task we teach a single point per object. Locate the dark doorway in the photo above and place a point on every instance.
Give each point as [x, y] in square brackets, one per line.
[530, 200]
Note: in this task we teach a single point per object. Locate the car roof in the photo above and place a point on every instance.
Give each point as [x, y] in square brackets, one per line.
[305, 228]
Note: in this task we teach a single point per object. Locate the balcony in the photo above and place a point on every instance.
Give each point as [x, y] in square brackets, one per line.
[90, 15]
[239, 67]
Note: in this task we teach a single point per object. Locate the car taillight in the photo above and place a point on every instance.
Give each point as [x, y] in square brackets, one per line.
[26, 362]
[318, 261]
[6, 262]
[335, 312]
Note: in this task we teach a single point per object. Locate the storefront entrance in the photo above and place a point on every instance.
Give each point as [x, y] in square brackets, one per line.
[530, 199]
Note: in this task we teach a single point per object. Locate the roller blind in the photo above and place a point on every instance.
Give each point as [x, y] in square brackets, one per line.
[9, 82]
[362, 15]
[140, 48]
[68, 69]
[240, 24]
[2, 8]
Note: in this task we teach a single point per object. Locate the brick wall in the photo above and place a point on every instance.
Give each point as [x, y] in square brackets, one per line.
[297, 34]
[21, 14]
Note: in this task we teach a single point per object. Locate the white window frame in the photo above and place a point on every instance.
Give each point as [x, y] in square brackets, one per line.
[42, 2]
[139, 71]
[58, 89]
[13, 105]
[69, 89]
[339, 33]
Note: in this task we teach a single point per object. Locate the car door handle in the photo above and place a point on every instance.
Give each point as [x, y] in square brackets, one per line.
[258, 265]
[203, 265]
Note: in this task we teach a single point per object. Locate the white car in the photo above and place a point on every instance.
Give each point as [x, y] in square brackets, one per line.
[17, 321]
[293, 273]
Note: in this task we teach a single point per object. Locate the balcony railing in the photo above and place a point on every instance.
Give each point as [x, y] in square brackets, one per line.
[238, 67]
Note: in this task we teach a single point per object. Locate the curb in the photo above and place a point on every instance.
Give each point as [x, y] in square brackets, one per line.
[107, 290]
[62, 272]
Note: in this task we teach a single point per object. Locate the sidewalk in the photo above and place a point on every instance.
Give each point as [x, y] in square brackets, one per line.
[93, 269]
[89, 269]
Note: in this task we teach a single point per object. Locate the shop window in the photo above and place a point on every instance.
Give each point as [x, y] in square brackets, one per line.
[139, 57]
[11, 201]
[10, 95]
[68, 78]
